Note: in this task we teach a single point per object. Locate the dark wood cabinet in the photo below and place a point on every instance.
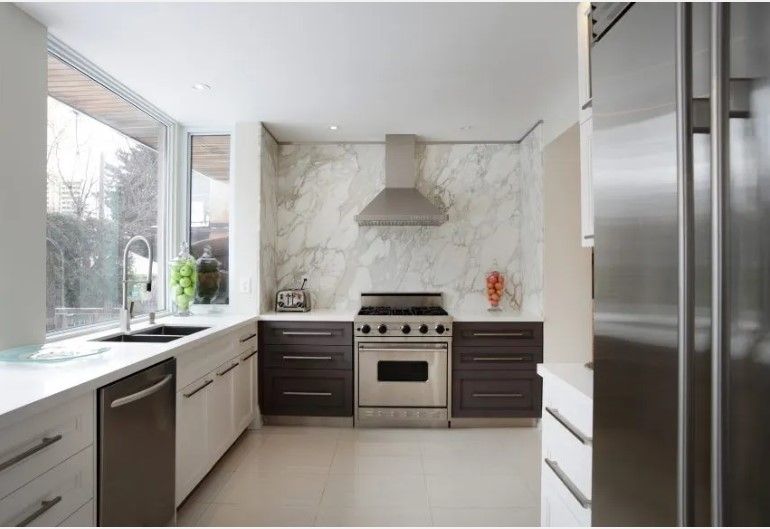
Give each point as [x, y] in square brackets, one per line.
[306, 368]
[494, 369]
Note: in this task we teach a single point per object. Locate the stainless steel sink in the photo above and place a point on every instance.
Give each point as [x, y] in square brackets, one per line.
[175, 330]
[147, 338]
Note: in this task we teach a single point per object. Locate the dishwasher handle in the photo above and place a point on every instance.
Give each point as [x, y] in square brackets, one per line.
[146, 392]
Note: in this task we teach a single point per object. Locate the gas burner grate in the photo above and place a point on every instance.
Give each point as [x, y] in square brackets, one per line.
[408, 311]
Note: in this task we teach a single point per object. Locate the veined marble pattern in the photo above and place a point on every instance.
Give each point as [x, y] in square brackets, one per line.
[531, 151]
[268, 187]
[322, 187]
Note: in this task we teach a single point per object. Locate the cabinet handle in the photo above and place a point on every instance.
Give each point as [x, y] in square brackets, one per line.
[307, 333]
[498, 395]
[571, 428]
[230, 368]
[571, 487]
[518, 334]
[196, 390]
[308, 393]
[249, 337]
[498, 358]
[294, 357]
[46, 441]
[248, 356]
[45, 505]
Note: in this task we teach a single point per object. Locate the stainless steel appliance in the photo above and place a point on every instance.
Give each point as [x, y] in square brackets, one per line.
[402, 347]
[137, 448]
[293, 299]
[681, 153]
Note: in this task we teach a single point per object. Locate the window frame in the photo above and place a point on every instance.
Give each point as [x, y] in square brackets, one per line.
[186, 178]
[168, 220]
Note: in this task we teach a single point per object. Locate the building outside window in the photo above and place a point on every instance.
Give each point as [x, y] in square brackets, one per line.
[106, 182]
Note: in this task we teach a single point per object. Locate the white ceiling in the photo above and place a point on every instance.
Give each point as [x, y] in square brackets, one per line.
[427, 69]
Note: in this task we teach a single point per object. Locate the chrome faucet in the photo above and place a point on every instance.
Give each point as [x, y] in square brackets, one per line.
[126, 311]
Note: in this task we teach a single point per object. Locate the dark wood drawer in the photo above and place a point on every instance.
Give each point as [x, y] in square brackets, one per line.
[308, 356]
[306, 333]
[498, 334]
[485, 358]
[496, 394]
[307, 392]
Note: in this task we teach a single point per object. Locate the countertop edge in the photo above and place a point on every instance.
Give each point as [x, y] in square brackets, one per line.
[575, 375]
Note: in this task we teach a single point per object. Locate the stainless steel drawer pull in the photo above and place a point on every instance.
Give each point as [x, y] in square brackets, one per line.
[499, 358]
[146, 392]
[571, 428]
[295, 357]
[249, 337]
[229, 368]
[308, 393]
[502, 334]
[307, 333]
[47, 441]
[44, 507]
[571, 487]
[196, 390]
[248, 356]
[498, 395]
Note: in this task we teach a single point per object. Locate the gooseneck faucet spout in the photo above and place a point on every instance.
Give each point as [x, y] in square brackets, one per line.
[127, 309]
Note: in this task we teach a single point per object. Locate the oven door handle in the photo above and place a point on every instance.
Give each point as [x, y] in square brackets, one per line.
[400, 347]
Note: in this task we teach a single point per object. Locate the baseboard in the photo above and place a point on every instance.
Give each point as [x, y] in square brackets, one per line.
[492, 422]
[292, 420]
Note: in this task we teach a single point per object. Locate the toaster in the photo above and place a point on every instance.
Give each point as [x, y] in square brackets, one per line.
[292, 300]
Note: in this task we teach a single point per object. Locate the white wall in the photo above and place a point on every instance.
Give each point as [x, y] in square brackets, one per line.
[245, 175]
[567, 268]
[23, 91]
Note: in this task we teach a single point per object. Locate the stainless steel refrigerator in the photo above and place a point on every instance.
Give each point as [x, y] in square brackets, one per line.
[681, 168]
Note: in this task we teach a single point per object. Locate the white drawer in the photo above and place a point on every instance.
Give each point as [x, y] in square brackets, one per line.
[559, 508]
[573, 457]
[51, 498]
[83, 517]
[247, 339]
[570, 403]
[198, 361]
[45, 440]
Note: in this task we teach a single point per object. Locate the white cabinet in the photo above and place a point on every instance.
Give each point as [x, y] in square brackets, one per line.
[215, 404]
[585, 112]
[192, 452]
[243, 397]
[567, 446]
[47, 465]
[586, 184]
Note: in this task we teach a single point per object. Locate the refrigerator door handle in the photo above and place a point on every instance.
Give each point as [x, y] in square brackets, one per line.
[686, 271]
[720, 101]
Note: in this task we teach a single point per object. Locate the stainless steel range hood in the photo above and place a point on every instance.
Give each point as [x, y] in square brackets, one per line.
[400, 204]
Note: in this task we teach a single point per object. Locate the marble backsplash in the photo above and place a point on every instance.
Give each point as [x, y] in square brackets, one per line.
[491, 192]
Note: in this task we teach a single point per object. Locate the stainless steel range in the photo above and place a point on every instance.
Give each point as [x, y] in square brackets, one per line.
[402, 345]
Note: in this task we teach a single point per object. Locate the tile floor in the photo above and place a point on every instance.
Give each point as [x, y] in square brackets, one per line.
[304, 476]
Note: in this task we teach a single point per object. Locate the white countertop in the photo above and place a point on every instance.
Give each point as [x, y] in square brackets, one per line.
[311, 315]
[29, 387]
[493, 316]
[576, 375]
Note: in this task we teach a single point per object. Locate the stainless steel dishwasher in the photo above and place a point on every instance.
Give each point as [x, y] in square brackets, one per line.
[137, 437]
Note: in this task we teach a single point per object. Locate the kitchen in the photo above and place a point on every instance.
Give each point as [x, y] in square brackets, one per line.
[381, 264]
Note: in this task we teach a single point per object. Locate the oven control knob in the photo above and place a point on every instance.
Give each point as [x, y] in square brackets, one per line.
[424, 329]
[382, 328]
[440, 329]
[406, 329]
[365, 328]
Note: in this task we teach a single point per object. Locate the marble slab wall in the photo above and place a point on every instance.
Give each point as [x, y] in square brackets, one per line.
[491, 192]
[268, 216]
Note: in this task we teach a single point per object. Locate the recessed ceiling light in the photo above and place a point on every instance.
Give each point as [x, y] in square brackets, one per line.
[201, 86]
[334, 127]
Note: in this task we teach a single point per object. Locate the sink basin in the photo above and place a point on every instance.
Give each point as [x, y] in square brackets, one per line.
[146, 338]
[175, 330]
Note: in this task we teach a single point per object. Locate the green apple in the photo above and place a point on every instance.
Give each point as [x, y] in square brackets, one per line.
[186, 271]
[189, 291]
[185, 282]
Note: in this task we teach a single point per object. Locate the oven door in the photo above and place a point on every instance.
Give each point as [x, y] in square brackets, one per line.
[402, 374]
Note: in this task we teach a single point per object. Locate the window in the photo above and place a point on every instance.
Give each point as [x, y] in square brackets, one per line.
[210, 202]
[106, 176]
